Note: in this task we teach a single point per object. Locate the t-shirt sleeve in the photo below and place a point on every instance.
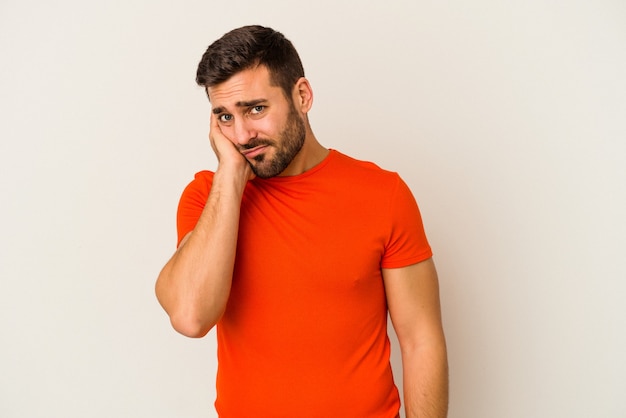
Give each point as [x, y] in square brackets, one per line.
[192, 203]
[407, 243]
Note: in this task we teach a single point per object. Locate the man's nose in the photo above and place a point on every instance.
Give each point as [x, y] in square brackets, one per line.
[244, 132]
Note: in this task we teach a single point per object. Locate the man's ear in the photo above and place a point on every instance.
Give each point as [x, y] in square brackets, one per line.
[303, 95]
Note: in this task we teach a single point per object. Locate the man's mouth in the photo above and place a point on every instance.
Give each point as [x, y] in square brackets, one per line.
[253, 152]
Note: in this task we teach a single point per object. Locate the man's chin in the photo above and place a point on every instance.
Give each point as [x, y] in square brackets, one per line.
[258, 169]
[265, 169]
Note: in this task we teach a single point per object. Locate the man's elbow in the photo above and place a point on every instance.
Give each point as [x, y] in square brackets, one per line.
[187, 317]
[191, 326]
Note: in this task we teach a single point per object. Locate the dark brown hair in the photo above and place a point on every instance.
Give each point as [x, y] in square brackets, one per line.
[245, 48]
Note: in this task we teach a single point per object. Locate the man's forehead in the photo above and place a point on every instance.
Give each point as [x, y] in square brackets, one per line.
[244, 86]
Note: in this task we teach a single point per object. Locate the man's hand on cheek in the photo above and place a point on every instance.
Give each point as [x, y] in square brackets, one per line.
[227, 153]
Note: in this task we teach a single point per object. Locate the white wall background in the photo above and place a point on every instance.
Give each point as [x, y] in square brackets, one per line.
[507, 119]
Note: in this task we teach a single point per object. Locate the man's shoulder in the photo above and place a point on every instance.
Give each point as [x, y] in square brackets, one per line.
[204, 175]
[201, 183]
[202, 178]
[362, 168]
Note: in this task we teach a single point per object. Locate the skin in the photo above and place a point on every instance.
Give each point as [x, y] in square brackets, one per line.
[252, 122]
[414, 308]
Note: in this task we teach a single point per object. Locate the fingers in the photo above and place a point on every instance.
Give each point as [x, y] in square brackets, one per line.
[215, 127]
[219, 142]
[228, 155]
[213, 132]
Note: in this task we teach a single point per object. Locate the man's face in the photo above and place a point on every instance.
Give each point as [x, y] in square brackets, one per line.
[257, 117]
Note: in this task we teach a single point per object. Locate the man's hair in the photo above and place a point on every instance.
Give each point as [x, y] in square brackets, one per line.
[248, 47]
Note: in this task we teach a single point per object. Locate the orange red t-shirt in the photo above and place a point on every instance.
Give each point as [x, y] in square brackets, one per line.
[305, 329]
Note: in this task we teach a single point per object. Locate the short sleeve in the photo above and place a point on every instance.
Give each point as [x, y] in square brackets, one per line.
[407, 243]
[192, 203]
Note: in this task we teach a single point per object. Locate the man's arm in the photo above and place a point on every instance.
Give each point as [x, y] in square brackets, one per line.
[194, 285]
[413, 300]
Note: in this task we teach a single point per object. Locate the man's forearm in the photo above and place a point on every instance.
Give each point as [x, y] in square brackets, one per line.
[425, 373]
[194, 285]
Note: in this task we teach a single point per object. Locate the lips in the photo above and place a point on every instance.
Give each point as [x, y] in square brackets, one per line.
[253, 152]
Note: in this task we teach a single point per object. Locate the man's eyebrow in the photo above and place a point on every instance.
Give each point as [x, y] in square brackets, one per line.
[250, 103]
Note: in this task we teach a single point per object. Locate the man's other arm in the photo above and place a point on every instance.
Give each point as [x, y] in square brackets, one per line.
[414, 307]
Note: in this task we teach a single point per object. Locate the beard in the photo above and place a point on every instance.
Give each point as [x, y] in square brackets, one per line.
[288, 145]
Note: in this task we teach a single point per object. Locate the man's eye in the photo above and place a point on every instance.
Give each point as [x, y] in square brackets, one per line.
[257, 109]
[226, 118]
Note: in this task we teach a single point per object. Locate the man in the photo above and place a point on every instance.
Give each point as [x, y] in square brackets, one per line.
[297, 252]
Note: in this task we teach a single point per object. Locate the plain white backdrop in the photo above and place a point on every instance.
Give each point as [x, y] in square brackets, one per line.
[507, 119]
